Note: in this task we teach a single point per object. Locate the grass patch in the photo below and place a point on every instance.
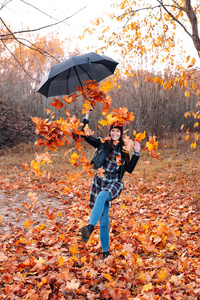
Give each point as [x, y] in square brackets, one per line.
[175, 154]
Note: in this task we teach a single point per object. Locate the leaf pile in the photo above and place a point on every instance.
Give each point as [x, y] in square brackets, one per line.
[154, 232]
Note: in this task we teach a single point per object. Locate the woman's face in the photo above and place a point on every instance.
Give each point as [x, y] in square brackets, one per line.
[115, 134]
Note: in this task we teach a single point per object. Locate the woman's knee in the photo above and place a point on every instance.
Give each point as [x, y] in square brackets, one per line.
[104, 220]
[104, 224]
[105, 195]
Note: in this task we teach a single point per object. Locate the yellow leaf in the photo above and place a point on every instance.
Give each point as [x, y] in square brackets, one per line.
[35, 167]
[162, 275]
[61, 261]
[73, 159]
[147, 287]
[44, 280]
[193, 145]
[149, 146]
[187, 94]
[182, 126]
[83, 259]
[107, 276]
[106, 86]
[59, 214]
[27, 223]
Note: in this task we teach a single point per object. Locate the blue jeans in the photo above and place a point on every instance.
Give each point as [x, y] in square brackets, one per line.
[100, 212]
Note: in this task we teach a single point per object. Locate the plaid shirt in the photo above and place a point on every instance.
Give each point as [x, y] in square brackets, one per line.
[111, 182]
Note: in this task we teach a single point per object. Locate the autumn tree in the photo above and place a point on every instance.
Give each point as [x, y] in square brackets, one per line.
[22, 70]
[149, 35]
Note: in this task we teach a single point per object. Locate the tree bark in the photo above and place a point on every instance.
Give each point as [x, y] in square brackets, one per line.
[194, 24]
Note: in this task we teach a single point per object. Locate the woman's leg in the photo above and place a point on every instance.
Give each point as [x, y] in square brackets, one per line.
[97, 211]
[104, 228]
[99, 207]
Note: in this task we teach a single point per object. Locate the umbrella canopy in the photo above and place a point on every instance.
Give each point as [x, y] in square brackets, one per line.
[65, 77]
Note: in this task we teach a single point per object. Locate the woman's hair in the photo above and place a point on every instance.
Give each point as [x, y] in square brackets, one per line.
[121, 143]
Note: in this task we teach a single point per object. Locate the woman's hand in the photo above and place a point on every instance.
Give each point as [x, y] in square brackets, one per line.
[137, 146]
[88, 112]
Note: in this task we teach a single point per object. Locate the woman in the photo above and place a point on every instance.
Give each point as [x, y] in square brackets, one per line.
[114, 162]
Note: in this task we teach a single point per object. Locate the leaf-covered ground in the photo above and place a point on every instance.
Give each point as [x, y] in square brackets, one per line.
[154, 232]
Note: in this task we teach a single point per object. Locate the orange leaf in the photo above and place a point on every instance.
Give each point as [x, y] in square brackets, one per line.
[74, 249]
[140, 136]
[100, 172]
[48, 111]
[57, 104]
[118, 160]
[28, 223]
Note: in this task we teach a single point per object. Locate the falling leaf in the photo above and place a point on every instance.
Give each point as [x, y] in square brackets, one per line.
[140, 136]
[193, 145]
[128, 144]
[73, 159]
[88, 131]
[193, 61]
[106, 86]
[118, 160]
[48, 111]
[187, 94]
[57, 104]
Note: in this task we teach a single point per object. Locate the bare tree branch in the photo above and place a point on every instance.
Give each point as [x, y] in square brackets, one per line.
[12, 35]
[33, 47]
[44, 13]
[173, 17]
[43, 27]
[18, 62]
[5, 3]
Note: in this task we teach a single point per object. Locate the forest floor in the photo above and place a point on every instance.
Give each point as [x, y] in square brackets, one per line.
[154, 229]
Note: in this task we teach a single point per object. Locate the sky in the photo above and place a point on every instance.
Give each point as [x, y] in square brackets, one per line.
[20, 15]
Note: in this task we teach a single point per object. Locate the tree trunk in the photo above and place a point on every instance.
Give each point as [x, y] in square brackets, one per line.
[193, 20]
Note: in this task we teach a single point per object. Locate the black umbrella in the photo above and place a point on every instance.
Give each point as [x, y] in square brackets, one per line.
[64, 78]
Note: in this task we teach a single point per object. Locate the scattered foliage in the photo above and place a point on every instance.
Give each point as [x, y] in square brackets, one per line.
[154, 232]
